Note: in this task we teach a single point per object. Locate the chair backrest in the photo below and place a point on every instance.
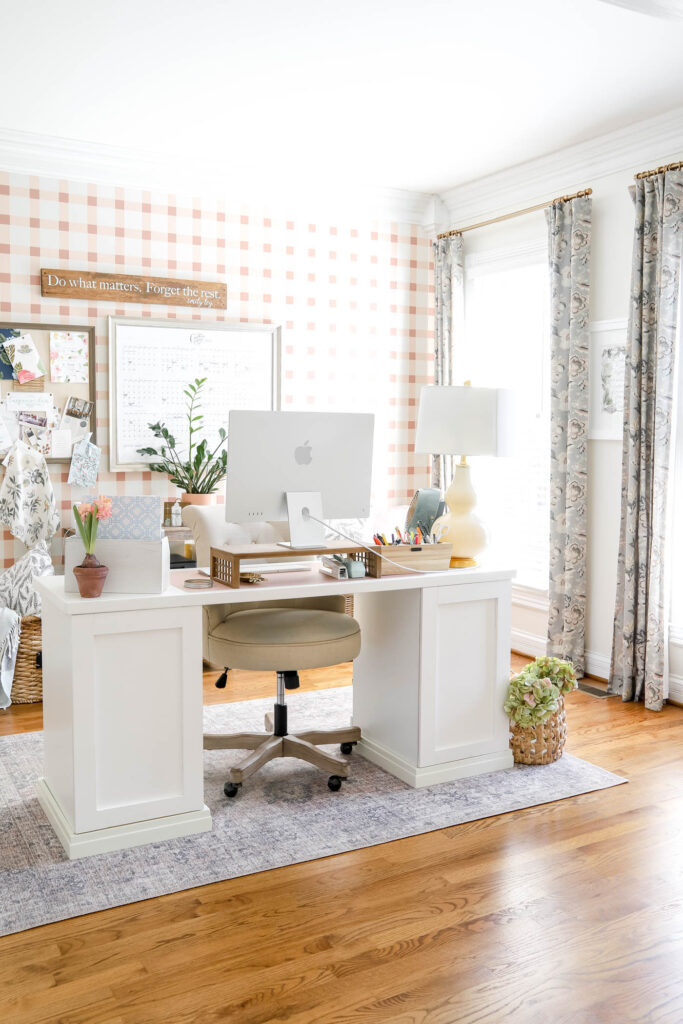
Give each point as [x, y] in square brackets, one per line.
[209, 529]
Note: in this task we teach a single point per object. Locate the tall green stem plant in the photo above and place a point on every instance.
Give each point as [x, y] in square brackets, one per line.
[203, 468]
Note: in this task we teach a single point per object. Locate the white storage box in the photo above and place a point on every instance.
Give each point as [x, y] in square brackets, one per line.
[135, 566]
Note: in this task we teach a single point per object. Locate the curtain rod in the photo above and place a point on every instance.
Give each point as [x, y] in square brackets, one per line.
[660, 170]
[517, 213]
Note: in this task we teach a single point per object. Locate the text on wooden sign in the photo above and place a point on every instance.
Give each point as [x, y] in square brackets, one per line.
[86, 284]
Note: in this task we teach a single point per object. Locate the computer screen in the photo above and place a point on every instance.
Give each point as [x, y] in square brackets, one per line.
[273, 453]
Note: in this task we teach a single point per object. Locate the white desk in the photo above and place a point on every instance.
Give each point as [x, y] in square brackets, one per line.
[122, 692]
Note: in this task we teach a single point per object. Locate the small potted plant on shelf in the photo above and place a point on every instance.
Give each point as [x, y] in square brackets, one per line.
[91, 574]
[199, 471]
[535, 706]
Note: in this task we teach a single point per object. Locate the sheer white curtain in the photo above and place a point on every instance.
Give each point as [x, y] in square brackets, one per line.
[506, 344]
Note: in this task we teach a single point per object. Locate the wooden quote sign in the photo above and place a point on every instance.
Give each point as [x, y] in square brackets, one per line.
[164, 291]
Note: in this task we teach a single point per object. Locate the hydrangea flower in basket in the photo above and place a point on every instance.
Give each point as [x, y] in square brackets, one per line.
[535, 706]
[91, 574]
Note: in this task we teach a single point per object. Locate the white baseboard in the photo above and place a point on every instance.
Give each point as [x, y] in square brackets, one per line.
[676, 689]
[597, 665]
[535, 647]
[528, 643]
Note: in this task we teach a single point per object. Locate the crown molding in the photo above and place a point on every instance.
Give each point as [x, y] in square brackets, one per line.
[637, 147]
[95, 163]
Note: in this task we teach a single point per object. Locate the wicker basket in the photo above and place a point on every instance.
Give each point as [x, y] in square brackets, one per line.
[542, 744]
[27, 687]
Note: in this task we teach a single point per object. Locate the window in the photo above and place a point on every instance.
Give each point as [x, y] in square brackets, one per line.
[507, 344]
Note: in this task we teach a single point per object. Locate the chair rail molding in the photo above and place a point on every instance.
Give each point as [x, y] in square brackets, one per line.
[632, 148]
[196, 174]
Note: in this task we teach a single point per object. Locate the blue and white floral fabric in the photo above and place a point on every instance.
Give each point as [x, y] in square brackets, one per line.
[27, 501]
[16, 583]
[639, 668]
[569, 238]
[85, 463]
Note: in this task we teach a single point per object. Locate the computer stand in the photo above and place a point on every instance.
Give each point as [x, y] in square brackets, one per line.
[304, 532]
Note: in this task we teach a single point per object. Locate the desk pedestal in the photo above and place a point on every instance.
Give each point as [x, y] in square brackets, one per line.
[430, 681]
[123, 728]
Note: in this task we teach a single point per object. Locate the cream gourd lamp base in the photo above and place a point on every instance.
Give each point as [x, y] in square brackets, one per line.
[459, 526]
[463, 421]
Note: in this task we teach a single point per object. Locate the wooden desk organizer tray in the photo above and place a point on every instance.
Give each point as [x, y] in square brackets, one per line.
[225, 564]
[427, 557]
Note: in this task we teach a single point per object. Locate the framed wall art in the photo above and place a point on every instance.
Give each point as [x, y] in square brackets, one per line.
[606, 379]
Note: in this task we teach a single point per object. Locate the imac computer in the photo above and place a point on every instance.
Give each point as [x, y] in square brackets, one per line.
[300, 466]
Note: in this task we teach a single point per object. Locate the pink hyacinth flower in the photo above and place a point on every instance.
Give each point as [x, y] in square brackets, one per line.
[103, 508]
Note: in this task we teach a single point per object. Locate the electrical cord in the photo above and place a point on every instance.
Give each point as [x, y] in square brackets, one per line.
[306, 514]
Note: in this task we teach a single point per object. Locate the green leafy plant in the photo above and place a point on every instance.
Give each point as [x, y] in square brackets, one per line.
[533, 695]
[202, 469]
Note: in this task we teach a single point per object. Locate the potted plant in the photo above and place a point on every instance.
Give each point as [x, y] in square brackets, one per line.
[535, 706]
[91, 574]
[201, 469]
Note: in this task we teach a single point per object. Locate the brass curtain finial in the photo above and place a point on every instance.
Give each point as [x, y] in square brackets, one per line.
[516, 213]
[660, 170]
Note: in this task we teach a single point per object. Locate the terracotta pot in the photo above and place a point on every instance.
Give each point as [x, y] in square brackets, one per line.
[90, 576]
[201, 499]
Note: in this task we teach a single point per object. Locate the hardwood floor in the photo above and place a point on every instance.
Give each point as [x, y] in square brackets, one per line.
[569, 912]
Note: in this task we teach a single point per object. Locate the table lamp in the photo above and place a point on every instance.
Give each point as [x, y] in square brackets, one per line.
[463, 421]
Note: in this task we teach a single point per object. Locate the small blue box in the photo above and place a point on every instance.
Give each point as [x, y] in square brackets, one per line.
[134, 518]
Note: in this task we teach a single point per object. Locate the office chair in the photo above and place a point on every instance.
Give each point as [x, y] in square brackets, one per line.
[283, 637]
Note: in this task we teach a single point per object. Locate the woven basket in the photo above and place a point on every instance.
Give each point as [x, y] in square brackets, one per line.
[542, 744]
[27, 687]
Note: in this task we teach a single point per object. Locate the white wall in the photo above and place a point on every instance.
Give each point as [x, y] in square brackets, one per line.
[608, 166]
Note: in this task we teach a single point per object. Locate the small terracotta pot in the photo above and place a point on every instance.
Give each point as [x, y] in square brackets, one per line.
[201, 499]
[90, 576]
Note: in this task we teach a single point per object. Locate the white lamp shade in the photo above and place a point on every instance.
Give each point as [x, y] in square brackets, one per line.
[465, 421]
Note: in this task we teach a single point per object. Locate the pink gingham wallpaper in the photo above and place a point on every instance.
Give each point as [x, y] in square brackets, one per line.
[354, 301]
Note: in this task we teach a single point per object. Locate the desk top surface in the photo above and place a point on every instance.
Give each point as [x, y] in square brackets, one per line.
[278, 586]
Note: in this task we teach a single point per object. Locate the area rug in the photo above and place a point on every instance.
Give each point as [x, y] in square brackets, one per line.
[284, 814]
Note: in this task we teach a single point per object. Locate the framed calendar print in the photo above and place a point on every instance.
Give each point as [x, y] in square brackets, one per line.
[151, 362]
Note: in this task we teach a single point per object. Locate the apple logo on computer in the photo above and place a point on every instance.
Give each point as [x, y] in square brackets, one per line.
[302, 454]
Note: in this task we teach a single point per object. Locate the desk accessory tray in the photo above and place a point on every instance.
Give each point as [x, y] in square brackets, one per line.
[427, 557]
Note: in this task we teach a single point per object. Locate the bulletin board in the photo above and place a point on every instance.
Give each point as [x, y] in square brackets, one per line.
[151, 362]
[61, 364]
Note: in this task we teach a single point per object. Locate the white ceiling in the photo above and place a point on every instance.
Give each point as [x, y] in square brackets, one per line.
[413, 94]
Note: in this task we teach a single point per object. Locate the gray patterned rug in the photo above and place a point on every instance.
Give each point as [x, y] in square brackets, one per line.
[284, 814]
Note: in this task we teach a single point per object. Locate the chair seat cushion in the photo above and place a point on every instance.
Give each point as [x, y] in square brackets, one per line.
[285, 639]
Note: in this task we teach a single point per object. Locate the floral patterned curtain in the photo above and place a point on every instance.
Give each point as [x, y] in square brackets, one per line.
[569, 239]
[639, 667]
[449, 303]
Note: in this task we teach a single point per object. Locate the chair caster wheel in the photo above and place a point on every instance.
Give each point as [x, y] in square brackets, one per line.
[334, 783]
[230, 789]
[347, 748]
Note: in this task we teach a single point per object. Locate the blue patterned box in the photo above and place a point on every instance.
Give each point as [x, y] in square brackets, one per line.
[135, 518]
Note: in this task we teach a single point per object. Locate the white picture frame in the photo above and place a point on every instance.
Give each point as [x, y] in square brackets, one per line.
[607, 355]
[252, 377]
